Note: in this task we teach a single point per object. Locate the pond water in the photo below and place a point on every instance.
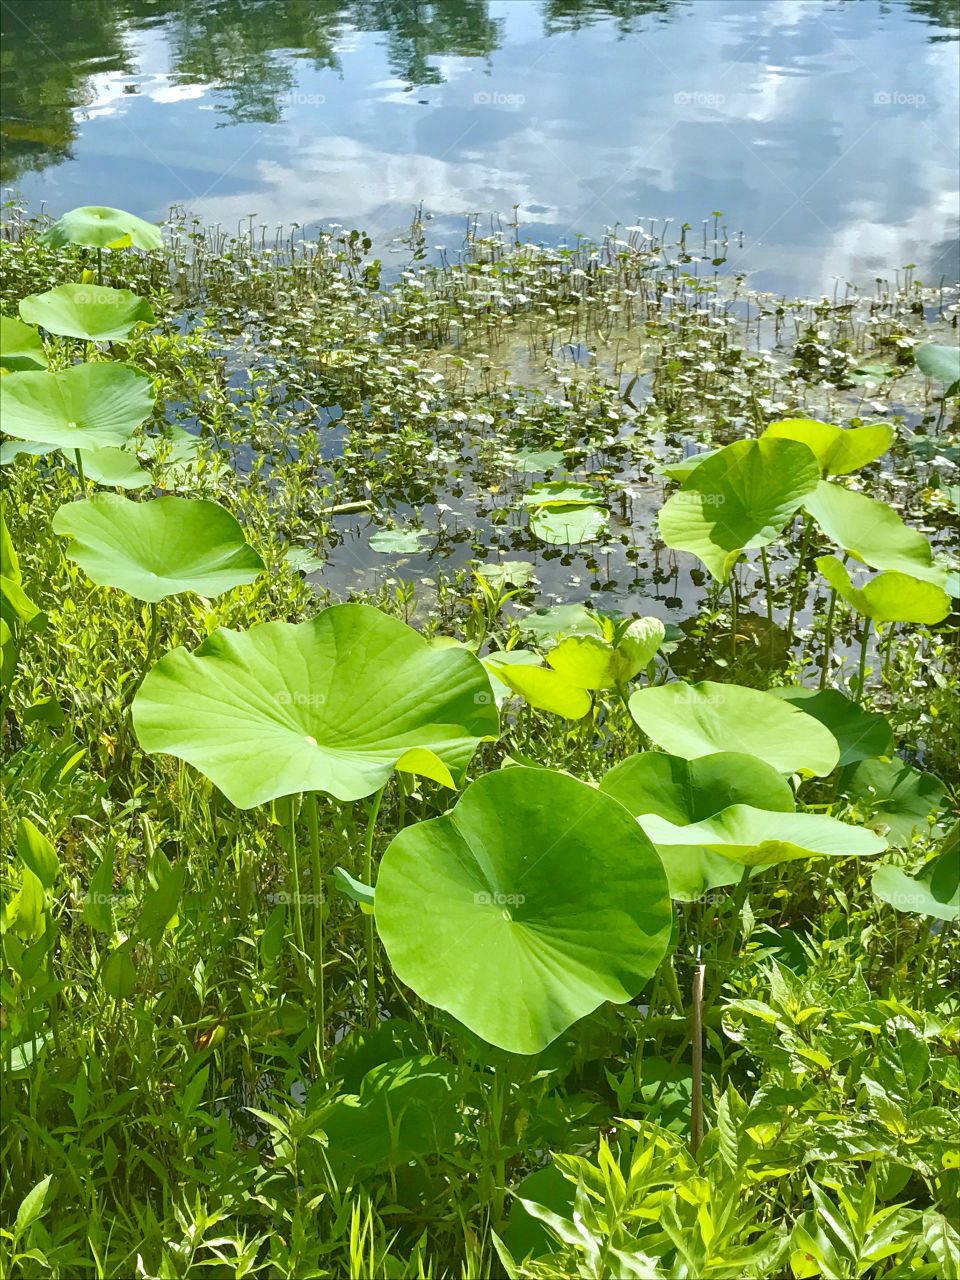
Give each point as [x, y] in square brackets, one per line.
[823, 130]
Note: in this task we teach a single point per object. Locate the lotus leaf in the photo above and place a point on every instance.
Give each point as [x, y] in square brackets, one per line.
[100, 227]
[534, 900]
[21, 347]
[890, 596]
[739, 498]
[692, 720]
[861, 734]
[839, 450]
[91, 311]
[334, 704]
[872, 532]
[902, 801]
[87, 406]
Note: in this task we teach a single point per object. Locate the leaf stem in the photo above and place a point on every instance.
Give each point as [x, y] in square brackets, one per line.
[828, 639]
[799, 579]
[79, 461]
[372, 812]
[313, 826]
[862, 674]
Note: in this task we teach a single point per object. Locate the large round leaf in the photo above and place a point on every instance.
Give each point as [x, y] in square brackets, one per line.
[88, 406]
[21, 347]
[568, 525]
[684, 791]
[692, 720]
[872, 532]
[839, 450]
[100, 227]
[591, 662]
[901, 801]
[761, 838]
[90, 311]
[933, 891]
[890, 596]
[531, 902]
[861, 734]
[158, 548]
[738, 498]
[940, 362]
[109, 466]
[334, 704]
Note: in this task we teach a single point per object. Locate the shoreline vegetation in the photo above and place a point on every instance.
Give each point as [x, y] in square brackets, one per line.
[479, 759]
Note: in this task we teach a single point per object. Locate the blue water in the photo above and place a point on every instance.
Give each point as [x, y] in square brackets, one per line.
[823, 130]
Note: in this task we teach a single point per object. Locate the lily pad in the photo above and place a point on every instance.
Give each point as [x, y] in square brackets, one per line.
[890, 596]
[159, 548]
[762, 838]
[556, 620]
[334, 704]
[933, 891]
[397, 541]
[21, 347]
[693, 720]
[901, 801]
[940, 362]
[87, 406]
[861, 734]
[534, 900]
[530, 460]
[506, 574]
[872, 531]
[100, 227]
[91, 311]
[568, 525]
[838, 450]
[563, 493]
[685, 791]
[740, 498]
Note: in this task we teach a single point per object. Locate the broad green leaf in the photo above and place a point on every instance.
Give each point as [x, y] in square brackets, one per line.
[98, 910]
[533, 460]
[681, 470]
[872, 532]
[861, 734]
[540, 686]
[94, 312]
[551, 623]
[590, 662]
[839, 450]
[934, 891]
[161, 904]
[358, 892]
[890, 596]
[114, 467]
[568, 525]
[685, 791]
[940, 362]
[761, 837]
[740, 498]
[393, 541]
[9, 561]
[327, 705]
[158, 548]
[100, 227]
[119, 973]
[25, 911]
[526, 1236]
[902, 801]
[531, 902]
[406, 1108]
[692, 720]
[21, 347]
[507, 573]
[563, 493]
[36, 852]
[87, 406]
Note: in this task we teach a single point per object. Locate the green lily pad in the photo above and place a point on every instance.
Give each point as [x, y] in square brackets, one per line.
[304, 559]
[556, 620]
[87, 406]
[838, 450]
[762, 838]
[334, 704]
[21, 347]
[740, 498]
[563, 493]
[933, 891]
[91, 311]
[531, 460]
[940, 362]
[685, 791]
[159, 548]
[890, 596]
[406, 1108]
[506, 574]
[901, 801]
[861, 734]
[872, 531]
[100, 227]
[534, 900]
[397, 541]
[693, 720]
[568, 525]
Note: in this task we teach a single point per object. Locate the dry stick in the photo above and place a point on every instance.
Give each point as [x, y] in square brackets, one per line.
[696, 1015]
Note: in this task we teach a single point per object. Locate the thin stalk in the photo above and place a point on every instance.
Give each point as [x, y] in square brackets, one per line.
[372, 813]
[696, 1099]
[99, 266]
[769, 590]
[313, 826]
[799, 580]
[888, 652]
[828, 639]
[862, 674]
[79, 461]
[295, 883]
[734, 614]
